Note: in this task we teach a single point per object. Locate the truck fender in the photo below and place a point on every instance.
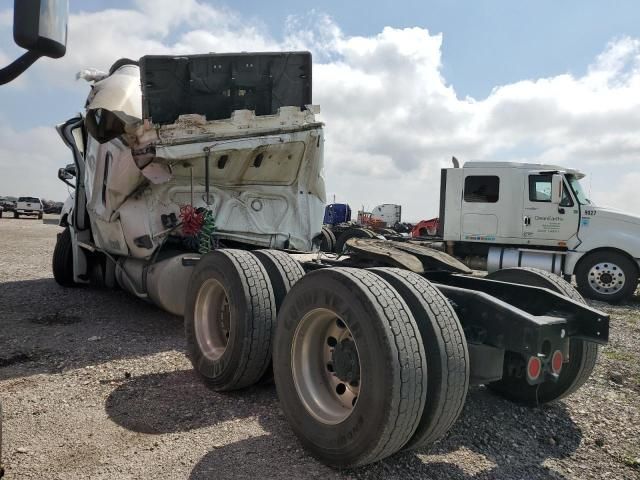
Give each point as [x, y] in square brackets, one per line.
[571, 260]
[574, 258]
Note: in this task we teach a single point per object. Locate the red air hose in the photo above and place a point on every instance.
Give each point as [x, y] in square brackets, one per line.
[191, 220]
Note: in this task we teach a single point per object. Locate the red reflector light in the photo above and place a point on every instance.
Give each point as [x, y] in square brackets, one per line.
[556, 361]
[534, 367]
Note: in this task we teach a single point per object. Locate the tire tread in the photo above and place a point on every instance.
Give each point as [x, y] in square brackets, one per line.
[255, 279]
[453, 356]
[411, 358]
[62, 261]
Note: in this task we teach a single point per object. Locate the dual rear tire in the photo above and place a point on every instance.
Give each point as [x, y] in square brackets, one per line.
[354, 232]
[328, 240]
[229, 319]
[365, 362]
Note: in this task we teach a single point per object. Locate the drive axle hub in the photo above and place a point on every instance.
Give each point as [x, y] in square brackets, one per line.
[345, 361]
[606, 278]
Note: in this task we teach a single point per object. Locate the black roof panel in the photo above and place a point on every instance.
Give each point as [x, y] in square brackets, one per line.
[215, 85]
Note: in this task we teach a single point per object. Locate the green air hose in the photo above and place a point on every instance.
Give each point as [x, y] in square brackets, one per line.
[205, 235]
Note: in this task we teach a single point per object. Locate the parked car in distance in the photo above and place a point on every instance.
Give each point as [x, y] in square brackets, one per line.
[28, 206]
[52, 207]
[8, 203]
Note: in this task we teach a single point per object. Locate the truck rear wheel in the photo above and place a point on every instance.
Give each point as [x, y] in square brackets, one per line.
[62, 261]
[607, 275]
[328, 243]
[350, 370]
[352, 233]
[229, 317]
[582, 354]
[283, 273]
[445, 347]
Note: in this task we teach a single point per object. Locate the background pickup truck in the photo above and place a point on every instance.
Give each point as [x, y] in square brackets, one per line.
[31, 206]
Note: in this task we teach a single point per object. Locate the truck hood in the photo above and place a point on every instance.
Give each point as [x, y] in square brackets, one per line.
[604, 227]
[613, 214]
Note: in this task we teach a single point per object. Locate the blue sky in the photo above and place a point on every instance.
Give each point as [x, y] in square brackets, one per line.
[525, 81]
[486, 42]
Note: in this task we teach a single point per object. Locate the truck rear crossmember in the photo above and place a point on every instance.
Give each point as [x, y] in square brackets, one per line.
[541, 323]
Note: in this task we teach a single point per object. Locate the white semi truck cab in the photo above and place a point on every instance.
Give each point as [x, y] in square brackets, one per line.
[497, 215]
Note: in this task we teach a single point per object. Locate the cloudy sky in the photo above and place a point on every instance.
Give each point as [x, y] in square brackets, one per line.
[403, 86]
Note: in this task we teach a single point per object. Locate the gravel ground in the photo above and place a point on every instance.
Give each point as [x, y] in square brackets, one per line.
[95, 384]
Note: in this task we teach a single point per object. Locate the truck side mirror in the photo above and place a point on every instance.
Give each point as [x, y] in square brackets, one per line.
[67, 173]
[556, 188]
[39, 26]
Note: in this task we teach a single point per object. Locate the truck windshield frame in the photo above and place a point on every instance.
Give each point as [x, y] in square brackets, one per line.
[577, 189]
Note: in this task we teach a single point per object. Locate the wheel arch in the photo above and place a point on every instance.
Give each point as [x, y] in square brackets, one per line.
[584, 256]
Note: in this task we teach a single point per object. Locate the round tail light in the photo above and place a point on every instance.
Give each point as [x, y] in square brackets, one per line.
[556, 361]
[534, 368]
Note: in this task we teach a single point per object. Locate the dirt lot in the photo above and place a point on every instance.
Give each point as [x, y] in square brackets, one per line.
[95, 384]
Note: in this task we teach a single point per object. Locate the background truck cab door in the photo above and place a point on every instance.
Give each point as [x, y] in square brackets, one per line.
[543, 219]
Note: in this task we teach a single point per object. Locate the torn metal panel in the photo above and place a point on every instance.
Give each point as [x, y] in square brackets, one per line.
[433, 258]
[412, 257]
[385, 252]
[114, 104]
[196, 128]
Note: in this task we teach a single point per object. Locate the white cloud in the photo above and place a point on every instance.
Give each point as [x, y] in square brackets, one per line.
[385, 96]
[6, 18]
[623, 193]
[392, 119]
[29, 162]
[97, 39]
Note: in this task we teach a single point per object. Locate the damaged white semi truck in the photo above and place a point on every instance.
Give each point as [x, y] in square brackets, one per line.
[199, 187]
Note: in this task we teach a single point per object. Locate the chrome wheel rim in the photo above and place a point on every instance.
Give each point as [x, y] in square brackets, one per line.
[326, 366]
[212, 319]
[606, 278]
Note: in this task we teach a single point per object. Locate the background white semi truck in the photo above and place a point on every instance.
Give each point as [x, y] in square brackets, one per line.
[496, 215]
